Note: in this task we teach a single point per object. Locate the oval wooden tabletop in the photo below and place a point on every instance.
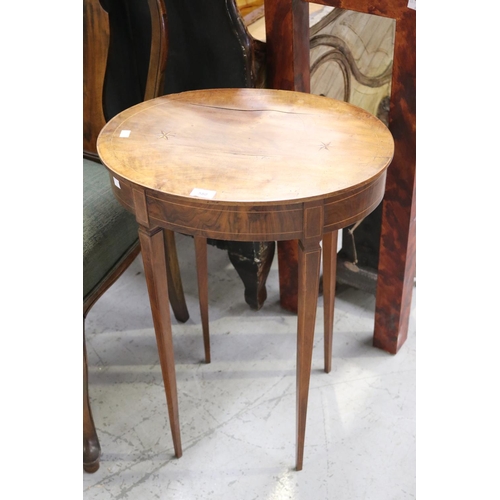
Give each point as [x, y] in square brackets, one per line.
[246, 145]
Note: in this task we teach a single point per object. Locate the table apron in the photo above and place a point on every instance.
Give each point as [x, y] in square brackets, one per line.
[229, 223]
[272, 222]
[348, 210]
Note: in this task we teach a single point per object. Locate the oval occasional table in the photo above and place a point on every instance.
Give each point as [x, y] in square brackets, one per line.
[248, 165]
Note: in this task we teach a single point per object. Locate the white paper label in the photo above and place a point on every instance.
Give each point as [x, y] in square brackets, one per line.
[117, 182]
[202, 193]
[124, 133]
[412, 4]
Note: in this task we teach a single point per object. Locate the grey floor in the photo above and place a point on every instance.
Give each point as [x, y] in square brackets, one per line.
[238, 413]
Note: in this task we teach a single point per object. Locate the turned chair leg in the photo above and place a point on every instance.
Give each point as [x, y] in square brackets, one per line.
[91, 446]
[252, 262]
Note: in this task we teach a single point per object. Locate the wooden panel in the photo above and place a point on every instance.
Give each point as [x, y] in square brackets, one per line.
[287, 26]
[287, 44]
[323, 146]
[95, 55]
[249, 224]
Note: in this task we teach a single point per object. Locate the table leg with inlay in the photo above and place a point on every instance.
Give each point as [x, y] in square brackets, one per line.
[308, 270]
[200, 246]
[329, 278]
[155, 270]
[175, 289]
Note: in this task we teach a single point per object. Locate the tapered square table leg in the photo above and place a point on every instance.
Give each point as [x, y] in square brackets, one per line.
[309, 257]
[155, 269]
[329, 279]
[309, 260]
[200, 245]
[175, 289]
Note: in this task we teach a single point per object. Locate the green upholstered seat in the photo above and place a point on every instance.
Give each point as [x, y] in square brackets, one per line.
[109, 230]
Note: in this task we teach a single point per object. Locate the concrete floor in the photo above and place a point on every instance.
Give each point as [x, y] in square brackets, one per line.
[238, 413]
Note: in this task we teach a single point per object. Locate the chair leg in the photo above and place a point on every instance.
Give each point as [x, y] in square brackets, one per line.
[175, 290]
[329, 279]
[91, 446]
[252, 261]
[200, 244]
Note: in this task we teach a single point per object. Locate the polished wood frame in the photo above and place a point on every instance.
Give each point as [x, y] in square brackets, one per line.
[288, 67]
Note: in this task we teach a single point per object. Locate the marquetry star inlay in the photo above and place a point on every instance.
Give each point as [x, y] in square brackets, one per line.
[166, 135]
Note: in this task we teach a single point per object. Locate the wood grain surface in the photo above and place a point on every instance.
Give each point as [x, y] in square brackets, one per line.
[246, 146]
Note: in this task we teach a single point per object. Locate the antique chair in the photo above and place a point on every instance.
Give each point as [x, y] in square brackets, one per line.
[110, 238]
[208, 47]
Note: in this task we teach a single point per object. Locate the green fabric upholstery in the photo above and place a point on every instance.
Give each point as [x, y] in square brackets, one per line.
[109, 230]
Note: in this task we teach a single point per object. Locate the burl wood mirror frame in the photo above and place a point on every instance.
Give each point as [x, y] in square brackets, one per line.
[288, 67]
